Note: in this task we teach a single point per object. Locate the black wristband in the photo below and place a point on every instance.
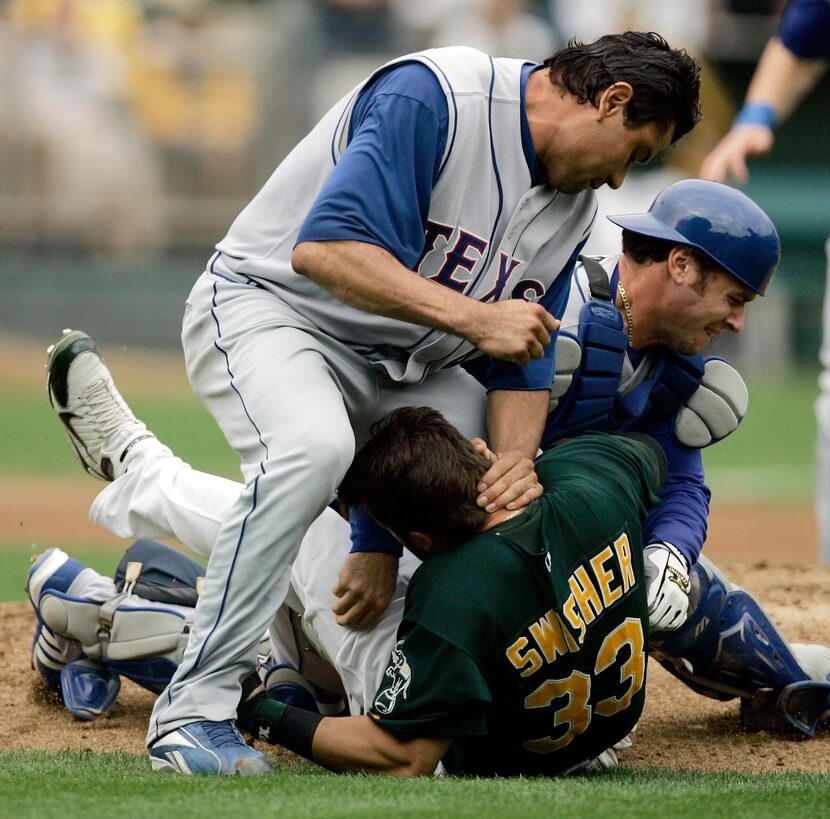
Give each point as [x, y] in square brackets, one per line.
[279, 724]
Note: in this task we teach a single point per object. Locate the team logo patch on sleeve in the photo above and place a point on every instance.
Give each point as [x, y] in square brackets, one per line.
[399, 673]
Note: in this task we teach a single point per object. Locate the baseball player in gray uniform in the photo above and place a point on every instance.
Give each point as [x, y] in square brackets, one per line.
[432, 216]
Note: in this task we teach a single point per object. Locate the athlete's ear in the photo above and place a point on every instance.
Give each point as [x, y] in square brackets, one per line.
[614, 100]
[420, 544]
[677, 263]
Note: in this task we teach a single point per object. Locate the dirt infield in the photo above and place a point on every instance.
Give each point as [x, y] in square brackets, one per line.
[679, 729]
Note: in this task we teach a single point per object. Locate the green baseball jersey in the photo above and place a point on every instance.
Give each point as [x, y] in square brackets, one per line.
[527, 644]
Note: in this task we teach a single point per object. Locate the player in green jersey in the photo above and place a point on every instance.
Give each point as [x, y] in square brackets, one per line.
[522, 648]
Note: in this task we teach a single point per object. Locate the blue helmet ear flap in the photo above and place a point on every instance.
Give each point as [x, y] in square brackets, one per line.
[718, 220]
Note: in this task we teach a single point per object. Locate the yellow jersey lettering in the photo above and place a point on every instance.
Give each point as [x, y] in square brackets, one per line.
[623, 550]
[527, 663]
[551, 637]
[572, 616]
[604, 577]
[586, 595]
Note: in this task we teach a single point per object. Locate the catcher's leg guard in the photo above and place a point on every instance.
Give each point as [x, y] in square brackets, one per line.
[50, 653]
[729, 648]
[167, 576]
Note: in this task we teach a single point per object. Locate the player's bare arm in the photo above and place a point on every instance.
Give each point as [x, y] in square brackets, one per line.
[780, 82]
[369, 278]
[357, 744]
[515, 420]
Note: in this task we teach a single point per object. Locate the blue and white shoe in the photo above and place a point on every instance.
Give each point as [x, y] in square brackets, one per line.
[206, 747]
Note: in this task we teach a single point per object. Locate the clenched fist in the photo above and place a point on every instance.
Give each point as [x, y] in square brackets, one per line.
[513, 330]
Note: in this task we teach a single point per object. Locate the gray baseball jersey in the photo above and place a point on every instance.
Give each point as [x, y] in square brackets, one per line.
[489, 233]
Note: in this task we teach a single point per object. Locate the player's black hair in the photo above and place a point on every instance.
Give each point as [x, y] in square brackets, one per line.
[643, 249]
[666, 80]
[418, 473]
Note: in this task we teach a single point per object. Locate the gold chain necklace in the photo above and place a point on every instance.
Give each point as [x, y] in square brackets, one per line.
[627, 308]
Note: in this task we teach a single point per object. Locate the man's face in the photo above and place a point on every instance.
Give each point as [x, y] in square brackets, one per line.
[604, 155]
[704, 305]
[598, 149]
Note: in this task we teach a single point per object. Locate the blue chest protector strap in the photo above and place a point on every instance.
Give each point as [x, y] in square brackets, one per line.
[603, 338]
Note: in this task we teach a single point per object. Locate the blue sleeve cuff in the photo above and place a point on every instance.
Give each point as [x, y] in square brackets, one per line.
[756, 113]
[368, 535]
[804, 28]
[537, 375]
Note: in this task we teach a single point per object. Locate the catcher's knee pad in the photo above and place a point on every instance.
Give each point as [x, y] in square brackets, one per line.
[167, 576]
[142, 641]
[729, 648]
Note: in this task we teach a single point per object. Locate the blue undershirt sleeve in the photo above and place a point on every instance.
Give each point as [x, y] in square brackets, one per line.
[379, 192]
[805, 29]
[369, 536]
[682, 514]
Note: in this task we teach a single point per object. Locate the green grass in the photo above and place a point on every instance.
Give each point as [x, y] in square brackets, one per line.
[36, 445]
[15, 560]
[69, 784]
[769, 458]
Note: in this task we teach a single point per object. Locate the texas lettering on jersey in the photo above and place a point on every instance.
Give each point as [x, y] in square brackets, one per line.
[450, 257]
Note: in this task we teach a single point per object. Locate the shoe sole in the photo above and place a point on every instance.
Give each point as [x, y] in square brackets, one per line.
[244, 767]
[61, 355]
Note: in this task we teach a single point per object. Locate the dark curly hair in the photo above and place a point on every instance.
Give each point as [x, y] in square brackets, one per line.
[666, 80]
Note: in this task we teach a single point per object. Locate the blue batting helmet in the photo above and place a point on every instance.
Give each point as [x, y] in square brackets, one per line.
[720, 221]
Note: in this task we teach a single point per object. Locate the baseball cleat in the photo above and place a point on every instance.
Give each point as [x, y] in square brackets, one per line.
[206, 747]
[100, 426]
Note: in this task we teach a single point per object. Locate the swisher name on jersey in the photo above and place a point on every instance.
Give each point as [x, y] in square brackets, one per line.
[595, 585]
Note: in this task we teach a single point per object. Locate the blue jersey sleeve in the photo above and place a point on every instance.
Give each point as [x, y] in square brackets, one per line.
[682, 514]
[538, 374]
[369, 536]
[805, 29]
[380, 190]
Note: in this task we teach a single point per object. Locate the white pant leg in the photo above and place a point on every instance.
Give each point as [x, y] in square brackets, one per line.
[160, 496]
[359, 656]
[822, 489]
[277, 393]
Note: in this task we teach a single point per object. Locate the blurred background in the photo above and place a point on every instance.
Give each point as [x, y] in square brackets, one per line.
[132, 132]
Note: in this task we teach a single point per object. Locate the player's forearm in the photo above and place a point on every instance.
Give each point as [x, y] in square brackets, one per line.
[339, 743]
[782, 80]
[516, 420]
[369, 278]
[358, 744]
